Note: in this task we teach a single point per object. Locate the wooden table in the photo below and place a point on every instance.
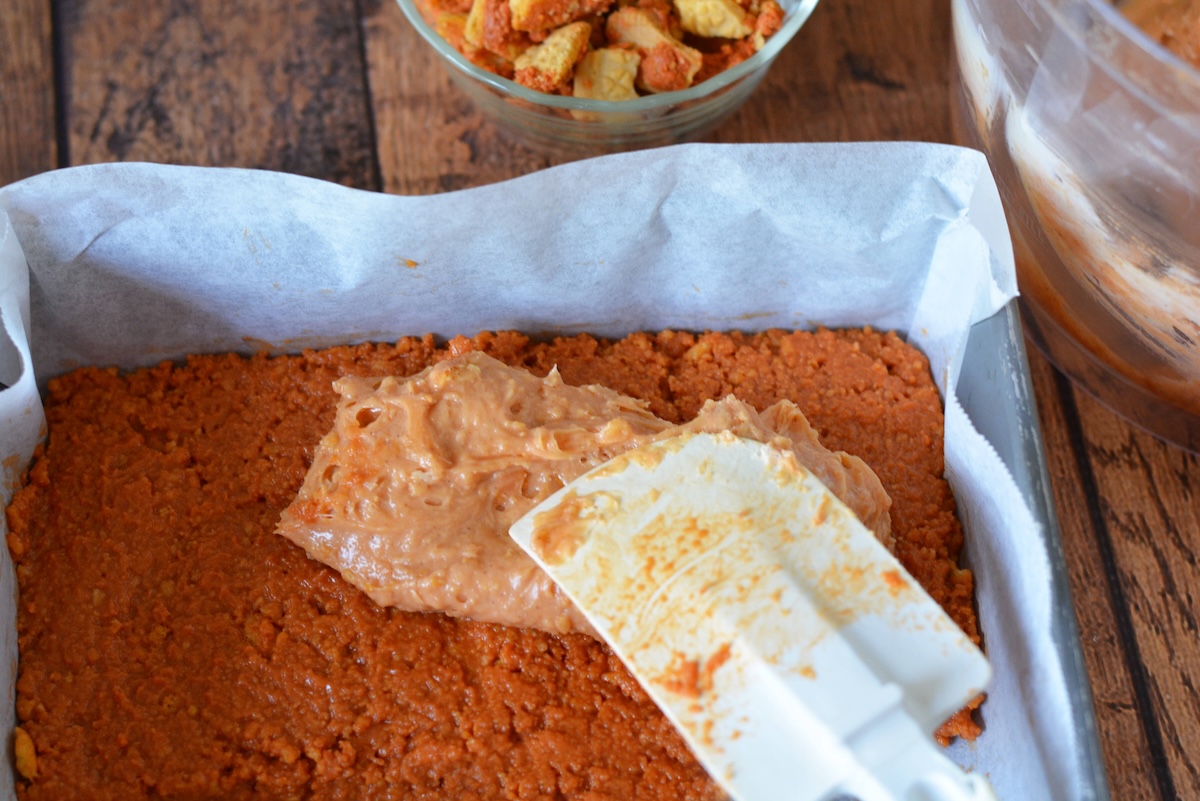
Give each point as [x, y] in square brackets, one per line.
[344, 90]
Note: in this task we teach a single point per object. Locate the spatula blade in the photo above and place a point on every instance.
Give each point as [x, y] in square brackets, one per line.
[760, 615]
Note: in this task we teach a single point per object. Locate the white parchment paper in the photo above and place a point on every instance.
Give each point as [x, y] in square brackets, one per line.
[131, 264]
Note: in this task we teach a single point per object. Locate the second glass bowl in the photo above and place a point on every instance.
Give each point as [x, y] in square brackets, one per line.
[1093, 132]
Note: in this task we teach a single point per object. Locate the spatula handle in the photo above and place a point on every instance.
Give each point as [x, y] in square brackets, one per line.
[901, 763]
[941, 787]
[944, 781]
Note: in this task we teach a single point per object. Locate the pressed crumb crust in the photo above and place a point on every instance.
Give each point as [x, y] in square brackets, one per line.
[173, 646]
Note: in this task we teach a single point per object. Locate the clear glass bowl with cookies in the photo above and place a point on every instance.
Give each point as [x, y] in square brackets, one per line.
[595, 76]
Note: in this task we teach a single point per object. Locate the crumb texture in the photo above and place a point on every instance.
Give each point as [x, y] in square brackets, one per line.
[173, 646]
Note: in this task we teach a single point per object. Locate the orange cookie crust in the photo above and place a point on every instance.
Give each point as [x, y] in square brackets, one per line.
[172, 645]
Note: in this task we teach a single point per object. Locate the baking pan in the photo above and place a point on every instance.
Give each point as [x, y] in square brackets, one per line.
[901, 236]
[996, 391]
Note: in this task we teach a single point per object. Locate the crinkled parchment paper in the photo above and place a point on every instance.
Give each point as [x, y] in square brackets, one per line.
[131, 264]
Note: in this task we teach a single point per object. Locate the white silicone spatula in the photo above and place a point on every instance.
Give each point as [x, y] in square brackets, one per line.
[795, 654]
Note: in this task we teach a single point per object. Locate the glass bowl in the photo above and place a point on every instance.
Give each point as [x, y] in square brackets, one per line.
[579, 126]
[1093, 132]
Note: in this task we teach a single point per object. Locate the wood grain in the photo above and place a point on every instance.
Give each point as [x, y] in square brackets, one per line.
[855, 71]
[1122, 716]
[1147, 492]
[272, 84]
[431, 138]
[27, 138]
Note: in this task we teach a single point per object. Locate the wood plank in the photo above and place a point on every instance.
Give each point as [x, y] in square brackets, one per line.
[272, 84]
[857, 70]
[27, 138]
[1119, 710]
[1147, 492]
[432, 138]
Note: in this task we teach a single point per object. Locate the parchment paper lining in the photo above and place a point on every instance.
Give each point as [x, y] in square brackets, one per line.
[131, 264]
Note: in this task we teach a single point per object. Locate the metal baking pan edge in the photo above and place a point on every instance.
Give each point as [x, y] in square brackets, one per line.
[1001, 405]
